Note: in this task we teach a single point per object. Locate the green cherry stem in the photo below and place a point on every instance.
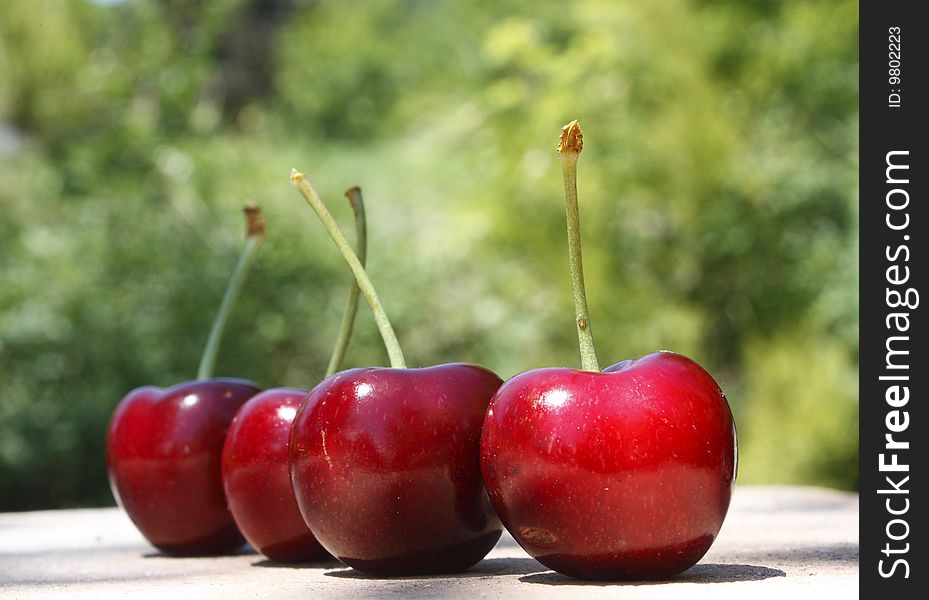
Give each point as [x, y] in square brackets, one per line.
[255, 235]
[351, 306]
[361, 277]
[569, 148]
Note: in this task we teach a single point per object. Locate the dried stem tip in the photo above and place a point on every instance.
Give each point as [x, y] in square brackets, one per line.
[572, 140]
[354, 198]
[254, 220]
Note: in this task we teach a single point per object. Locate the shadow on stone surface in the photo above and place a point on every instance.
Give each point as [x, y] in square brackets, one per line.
[703, 573]
[828, 553]
[489, 567]
[323, 563]
[244, 550]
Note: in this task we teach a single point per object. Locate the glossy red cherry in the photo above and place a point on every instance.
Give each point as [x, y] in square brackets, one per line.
[256, 461]
[385, 466]
[385, 463]
[620, 474]
[164, 446]
[164, 450]
[256, 476]
[625, 474]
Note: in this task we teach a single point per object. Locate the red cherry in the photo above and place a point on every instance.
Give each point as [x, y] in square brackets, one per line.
[385, 466]
[625, 474]
[256, 476]
[164, 449]
[620, 474]
[385, 462]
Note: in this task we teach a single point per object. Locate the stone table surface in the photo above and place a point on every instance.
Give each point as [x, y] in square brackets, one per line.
[777, 542]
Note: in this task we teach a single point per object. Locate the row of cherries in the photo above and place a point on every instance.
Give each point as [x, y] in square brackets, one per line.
[624, 473]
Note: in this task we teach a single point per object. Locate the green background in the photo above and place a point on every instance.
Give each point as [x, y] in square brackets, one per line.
[717, 186]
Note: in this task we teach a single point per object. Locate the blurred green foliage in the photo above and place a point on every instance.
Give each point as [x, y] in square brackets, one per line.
[718, 193]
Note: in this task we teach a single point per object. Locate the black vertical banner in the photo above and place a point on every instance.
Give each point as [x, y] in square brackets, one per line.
[893, 265]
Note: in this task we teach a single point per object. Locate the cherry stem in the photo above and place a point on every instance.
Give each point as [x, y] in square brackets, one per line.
[351, 306]
[361, 277]
[569, 148]
[254, 236]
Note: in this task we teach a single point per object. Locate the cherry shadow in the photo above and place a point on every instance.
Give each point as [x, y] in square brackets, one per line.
[487, 568]
[244, 550]
[702, 573]
[323, 563]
